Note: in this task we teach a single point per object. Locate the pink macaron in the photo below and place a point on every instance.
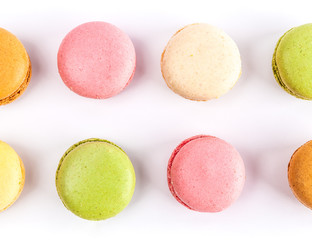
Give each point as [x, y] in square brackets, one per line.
[96, 60]
[205, 174]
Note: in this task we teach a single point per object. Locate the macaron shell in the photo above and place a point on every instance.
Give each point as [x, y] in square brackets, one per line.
[292, 59]
[12, 176]
[15, 69]
[95, 179]
[300, 172]
[96, 60]
[206, 174]
[201, 62]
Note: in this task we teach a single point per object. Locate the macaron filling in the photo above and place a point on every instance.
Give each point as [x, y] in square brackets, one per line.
[20, 90]
[175, 152]
[277, 75]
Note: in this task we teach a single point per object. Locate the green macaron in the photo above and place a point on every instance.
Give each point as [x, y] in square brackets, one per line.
[95, 179]
[292, 62]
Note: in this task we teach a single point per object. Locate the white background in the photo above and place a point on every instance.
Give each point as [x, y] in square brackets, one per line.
[148, 121]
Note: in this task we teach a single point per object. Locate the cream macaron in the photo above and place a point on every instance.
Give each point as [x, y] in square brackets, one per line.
[201, 62]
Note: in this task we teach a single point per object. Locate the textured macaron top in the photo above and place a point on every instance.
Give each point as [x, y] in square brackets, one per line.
[12, 176]
[205, 174]
[96, 60]
[201, 62]
[300, 174]
[292, 61]
[15, 67]
[95, 179]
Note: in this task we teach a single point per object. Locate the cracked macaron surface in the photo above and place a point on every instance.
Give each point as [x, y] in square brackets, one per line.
[15, 71]
[205, 174]
[292, 61]
[95, 179]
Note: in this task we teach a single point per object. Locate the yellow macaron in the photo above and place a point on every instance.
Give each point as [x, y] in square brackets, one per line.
[12, 176]
[15, 67]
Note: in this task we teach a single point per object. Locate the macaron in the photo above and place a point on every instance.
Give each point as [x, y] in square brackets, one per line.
[300, 172]
[12, 176]
[292, 61]
[200, 62]
[205, 174]
[95, 179]
[15, 71]
[96, 60]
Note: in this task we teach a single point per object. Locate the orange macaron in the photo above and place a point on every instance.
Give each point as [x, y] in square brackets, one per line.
[15, 67]
[300, 172]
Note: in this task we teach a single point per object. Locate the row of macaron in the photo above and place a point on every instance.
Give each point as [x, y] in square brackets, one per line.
[95, 178]
[200, 62]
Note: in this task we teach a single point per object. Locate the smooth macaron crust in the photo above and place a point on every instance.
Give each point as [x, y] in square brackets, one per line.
[15, 71]
[292, 61]
[205, 174]
[96, 60]
[12, 176]
[95, 179]
[300, 172]
[200, 62]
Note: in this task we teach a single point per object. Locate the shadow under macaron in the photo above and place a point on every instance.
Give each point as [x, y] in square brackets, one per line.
[251, 173]
[140, 68]
[37, 61]
[140, 177]
[274, 169]
[257, 41]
